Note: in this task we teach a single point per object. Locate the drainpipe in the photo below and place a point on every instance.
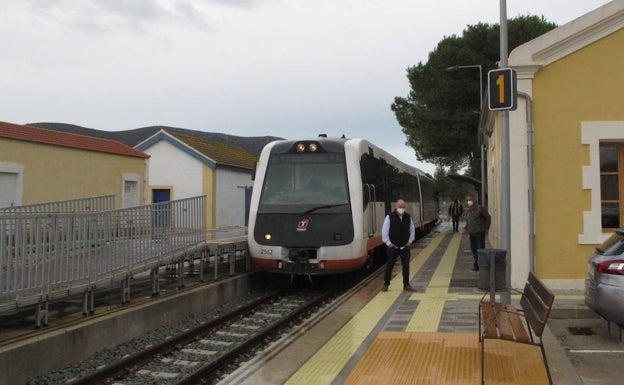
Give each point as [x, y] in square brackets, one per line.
[529, 119]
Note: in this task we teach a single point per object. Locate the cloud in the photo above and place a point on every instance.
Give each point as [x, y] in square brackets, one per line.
[100, 16]
[289, 68]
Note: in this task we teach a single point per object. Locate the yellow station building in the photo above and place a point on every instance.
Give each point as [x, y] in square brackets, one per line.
[569, 125]
[39, 165]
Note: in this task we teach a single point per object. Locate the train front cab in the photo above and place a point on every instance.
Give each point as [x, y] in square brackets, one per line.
[302, 221]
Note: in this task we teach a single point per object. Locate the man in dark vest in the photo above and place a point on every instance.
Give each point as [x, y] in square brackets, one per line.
[398, 233]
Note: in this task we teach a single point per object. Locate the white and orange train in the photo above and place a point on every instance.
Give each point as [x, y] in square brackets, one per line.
[318, 205]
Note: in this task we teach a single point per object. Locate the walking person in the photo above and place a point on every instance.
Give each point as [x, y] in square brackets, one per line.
[398, 233]
[478, 222]
[456, 210]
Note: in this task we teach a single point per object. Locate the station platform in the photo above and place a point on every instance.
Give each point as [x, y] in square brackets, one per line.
[398, 337]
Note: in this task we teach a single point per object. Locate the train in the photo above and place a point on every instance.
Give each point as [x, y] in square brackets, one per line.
[318, 205]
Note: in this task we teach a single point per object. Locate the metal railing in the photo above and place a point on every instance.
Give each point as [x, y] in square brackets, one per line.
[44, 256]
[98, 203]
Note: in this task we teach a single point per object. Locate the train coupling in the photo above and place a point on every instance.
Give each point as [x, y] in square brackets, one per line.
[303, 261]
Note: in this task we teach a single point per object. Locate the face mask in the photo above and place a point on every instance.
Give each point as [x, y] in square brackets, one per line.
[400, 211]
[470, 203]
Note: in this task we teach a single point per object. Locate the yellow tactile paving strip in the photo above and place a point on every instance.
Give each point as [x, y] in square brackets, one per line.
[420, 355]
[327, 363]
[427, 316]
[445, 358]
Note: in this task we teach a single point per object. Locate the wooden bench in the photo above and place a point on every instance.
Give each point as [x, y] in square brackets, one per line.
[526, 326]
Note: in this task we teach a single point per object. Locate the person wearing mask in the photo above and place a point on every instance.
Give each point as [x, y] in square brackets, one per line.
[398, 233]
[478, 222]
[455, 212]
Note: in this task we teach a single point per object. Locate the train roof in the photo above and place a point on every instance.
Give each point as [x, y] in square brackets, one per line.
[362, 145]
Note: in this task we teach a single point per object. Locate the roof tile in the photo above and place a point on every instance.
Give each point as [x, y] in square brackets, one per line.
[222, 154]
[64, 139]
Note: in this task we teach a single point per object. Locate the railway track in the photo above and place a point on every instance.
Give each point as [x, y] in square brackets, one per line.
[199, 355]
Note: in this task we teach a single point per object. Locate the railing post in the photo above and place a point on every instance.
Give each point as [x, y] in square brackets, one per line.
[125, 290]
[155, 275]
[41, 314]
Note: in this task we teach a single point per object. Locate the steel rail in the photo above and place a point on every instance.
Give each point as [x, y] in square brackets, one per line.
[128, 365]
[209, 369]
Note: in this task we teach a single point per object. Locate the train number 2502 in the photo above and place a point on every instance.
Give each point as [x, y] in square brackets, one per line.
[266, 251]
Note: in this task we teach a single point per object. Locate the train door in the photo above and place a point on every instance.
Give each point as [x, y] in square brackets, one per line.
[248, 191]
[421, 204]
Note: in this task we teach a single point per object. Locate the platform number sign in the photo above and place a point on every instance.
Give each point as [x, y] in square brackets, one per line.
[502, 92]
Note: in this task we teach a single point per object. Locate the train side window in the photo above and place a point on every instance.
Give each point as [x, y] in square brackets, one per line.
[369, 167]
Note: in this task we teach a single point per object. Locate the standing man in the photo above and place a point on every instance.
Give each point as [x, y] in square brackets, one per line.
[398, 233]
[455, 212]
[477, 225]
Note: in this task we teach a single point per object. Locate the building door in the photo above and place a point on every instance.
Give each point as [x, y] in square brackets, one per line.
[131, 194]
[160, 197]
[8, 189]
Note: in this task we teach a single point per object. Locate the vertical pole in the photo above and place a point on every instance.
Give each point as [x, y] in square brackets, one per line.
[505, 161]
[483, 183]
[479, 141]
[492, 276]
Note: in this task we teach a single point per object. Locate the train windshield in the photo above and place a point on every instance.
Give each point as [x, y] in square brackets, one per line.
[305, 182]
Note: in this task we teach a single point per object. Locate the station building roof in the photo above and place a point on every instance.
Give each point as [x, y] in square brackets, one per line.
[208, 151]
[68, 140]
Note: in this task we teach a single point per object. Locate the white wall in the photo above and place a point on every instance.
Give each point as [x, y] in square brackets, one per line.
[169, 165]
[231, 197]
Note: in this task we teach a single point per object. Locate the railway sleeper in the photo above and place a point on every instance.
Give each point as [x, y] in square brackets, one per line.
[158, 375]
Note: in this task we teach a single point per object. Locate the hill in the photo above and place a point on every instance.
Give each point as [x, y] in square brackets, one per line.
[253, 144]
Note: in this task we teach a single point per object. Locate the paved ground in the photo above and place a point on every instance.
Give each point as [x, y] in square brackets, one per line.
[581, 350]
[574, 360]
[595, 353]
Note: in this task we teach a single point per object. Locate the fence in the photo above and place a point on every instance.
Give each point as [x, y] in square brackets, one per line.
[48, 255]
[99, 203]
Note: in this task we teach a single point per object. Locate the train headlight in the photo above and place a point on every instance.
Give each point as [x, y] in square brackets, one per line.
[313, 147]
[300, 147]
[267, 236]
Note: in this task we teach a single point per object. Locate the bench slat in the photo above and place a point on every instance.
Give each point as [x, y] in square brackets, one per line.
[534, 319]
[504, 323]
[530, 298]
[520, 331]
[488, 311]
[536, 309]
[544, 293]
[507, 324]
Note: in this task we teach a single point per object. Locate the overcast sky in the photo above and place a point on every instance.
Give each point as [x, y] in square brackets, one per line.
[288, 68]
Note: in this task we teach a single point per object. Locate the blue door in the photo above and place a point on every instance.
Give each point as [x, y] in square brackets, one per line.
[160, 197]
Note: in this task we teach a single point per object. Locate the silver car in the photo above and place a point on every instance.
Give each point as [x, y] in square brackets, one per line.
[604, 285]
